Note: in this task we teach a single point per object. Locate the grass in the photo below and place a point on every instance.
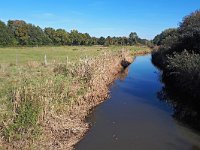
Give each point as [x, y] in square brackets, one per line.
[23, 55]
[33, 94]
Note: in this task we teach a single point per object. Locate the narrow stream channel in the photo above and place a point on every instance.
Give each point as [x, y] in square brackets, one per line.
[135, 119]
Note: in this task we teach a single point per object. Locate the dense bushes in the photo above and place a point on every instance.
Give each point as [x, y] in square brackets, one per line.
[190, 32]
[185, 37]
[184, 69]
[178, 56]
[182, 85]
[166, 37]
[19, 33]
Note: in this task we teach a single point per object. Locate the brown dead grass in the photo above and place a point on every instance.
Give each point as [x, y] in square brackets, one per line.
[66, 130]
[65, 104]
[142, 52]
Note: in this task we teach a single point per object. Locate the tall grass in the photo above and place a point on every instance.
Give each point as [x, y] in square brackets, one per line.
[43, 106]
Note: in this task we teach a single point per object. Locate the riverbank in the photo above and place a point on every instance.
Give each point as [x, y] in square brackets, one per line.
[134, 117]
[45, 105]
[178, 56]
[180, 74]
[72, 126]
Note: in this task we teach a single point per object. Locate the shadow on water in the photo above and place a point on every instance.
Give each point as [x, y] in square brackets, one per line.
[185, 110]
[134, 117]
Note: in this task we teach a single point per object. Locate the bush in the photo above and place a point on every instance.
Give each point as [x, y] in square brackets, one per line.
[182, 85]
[187, 36]
[178, 56]
[166, 35]
[183, 70]
[190, 32]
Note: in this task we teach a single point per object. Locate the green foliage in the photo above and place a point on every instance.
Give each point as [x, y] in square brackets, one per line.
[18, 32]
[6, 37]
[25, 107]
[25, 123]
[61, 37]
[101, 41]
[166, 37]
[190, 32]
[37, 36]
[186, 37]
[50, 33]
[183, 74]
[133, 38]
[178, 57]
[75, 37]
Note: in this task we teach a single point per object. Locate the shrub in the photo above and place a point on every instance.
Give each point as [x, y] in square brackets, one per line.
[190, 32]
[184, 70]
[167, 34]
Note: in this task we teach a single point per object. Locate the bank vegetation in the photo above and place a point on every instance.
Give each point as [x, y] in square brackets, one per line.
[178, 56]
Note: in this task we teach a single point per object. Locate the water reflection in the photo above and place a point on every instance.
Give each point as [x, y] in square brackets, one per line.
[133, 118]
[185, 109]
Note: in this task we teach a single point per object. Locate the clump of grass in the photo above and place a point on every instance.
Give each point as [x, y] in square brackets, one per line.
[12, 64]
[33, 64]
[24, 124]
[26, 109]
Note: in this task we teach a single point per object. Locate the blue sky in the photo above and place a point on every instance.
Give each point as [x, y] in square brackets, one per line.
[101, 17]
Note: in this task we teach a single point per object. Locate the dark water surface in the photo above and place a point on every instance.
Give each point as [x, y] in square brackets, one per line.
[135, 119]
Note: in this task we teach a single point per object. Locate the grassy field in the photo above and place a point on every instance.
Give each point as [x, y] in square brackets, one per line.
[23, 55]
[34, 95]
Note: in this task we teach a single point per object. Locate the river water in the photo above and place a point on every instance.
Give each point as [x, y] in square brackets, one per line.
[134, 118]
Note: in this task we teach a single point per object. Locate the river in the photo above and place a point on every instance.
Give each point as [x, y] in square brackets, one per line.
[134, 118]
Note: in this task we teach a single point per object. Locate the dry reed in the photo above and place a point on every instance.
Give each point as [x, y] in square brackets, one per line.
[49, 103]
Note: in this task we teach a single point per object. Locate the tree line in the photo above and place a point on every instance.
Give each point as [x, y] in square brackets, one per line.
[20, 33]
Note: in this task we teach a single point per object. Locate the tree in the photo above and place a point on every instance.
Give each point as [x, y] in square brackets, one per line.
[37, 36]
[6, 37]
[189, 31]
[61, 37]
[133, 38]
[94, 41]
[86, 39]
[18, 32]
[101, 41]
[166, 35]
[75, 37]
[50, 33]
[19, 29]
[109, 41]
